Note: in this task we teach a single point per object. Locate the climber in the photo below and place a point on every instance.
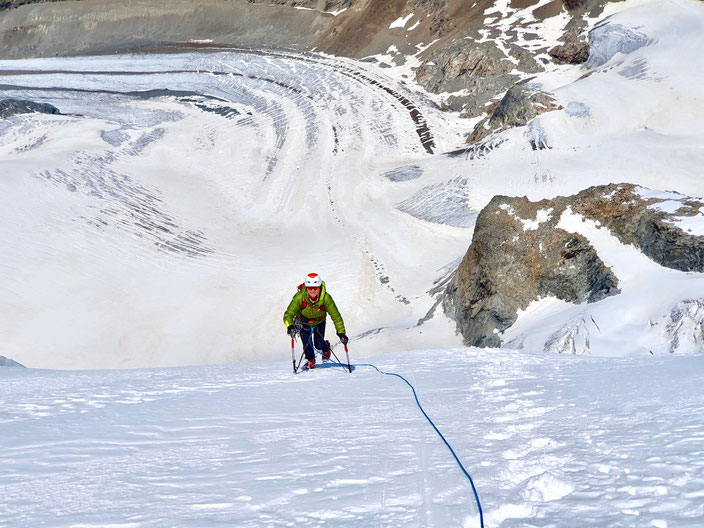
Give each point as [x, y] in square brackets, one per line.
[307, 311]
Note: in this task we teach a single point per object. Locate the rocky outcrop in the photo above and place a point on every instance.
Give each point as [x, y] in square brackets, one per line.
[481, 69]
[574, 48]
[8, 4]
[517, 108]
[5, 362]
[518, 254]
[10, 107]
[655, 223]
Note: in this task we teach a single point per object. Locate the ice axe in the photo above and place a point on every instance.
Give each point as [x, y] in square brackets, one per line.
[349, 367]
[293, 355]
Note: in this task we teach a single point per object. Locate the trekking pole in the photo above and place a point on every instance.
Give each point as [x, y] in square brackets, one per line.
[293, 356]
[349, 367]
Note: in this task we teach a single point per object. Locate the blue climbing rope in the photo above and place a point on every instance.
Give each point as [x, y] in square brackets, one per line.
[310, 339]
[415, 395]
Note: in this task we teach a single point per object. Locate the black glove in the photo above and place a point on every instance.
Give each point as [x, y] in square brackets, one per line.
[343, 338]
[291, 330]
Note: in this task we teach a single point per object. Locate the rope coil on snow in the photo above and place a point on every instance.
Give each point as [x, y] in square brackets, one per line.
[459, 463]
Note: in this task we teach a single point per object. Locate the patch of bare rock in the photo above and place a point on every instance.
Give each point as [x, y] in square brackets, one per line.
[10, 107]
[518, 254]
[6, 362]
[517, 107]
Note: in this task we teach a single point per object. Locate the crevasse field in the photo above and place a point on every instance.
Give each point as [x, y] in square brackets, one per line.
[160, 225]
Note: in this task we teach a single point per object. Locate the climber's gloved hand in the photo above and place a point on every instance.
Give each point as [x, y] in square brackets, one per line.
[343, 338]
[291, 330]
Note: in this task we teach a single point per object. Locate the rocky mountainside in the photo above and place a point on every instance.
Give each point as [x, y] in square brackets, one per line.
[472, 53]
[521, 252]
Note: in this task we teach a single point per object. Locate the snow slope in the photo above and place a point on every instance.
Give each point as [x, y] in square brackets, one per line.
[550, 441]
[184, 197]
[167, 217]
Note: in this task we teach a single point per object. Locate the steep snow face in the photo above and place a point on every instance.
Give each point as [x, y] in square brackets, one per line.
[168, 216]
[549, 441]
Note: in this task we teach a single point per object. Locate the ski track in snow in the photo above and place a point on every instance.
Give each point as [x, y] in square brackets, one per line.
[549, 441]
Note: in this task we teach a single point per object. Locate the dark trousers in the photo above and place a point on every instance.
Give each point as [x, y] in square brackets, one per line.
[317, 339]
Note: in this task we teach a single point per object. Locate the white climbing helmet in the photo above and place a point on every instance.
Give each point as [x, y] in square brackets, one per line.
[313, 280]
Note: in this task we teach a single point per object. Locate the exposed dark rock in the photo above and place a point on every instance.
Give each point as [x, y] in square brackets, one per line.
[6, 362]
[465, 64]
[574, 5]
[10, 107]
[518, 254]
[636, 219]
[591, 8]
[7, 4]
[482, 69]
[571, 52]
[517, 108]
[574, 49]
[516, 258]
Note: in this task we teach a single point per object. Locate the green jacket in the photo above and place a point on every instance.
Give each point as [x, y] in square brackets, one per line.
[314, 313]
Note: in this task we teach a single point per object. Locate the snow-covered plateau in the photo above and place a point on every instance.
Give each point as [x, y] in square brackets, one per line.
[153, 231]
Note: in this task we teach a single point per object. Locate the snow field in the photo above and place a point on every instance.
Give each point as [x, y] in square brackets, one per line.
[182, 220]
[171, 227]
[549, 441]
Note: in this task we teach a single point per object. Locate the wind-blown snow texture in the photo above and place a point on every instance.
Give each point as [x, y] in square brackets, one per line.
[549, 441]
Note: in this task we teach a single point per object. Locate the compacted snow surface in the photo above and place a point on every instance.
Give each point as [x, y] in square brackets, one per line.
[549, 441]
